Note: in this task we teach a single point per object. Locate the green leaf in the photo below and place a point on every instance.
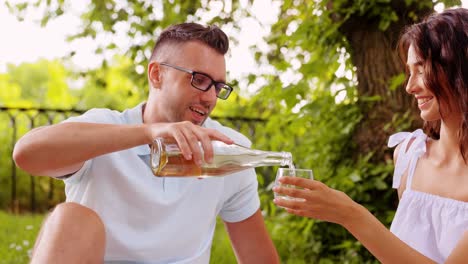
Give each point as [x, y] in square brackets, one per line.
[397, 81]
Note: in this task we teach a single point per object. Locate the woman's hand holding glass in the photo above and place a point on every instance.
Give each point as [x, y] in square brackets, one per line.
[301, 173]
[313, 199]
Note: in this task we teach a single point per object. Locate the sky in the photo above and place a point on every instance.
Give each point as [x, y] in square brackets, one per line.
[26, 41]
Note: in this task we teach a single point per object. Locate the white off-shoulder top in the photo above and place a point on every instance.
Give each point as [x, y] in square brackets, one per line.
[431, 224]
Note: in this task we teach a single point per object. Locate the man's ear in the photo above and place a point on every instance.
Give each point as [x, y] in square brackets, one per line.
[154, 74]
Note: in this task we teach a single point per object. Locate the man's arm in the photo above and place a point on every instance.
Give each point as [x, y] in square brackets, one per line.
[251, 242]
[62, 149]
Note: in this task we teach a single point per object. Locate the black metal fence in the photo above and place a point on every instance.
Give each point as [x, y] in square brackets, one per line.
[20, 191]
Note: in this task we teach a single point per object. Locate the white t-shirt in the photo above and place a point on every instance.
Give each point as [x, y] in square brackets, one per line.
[150, 219]
[431, 224]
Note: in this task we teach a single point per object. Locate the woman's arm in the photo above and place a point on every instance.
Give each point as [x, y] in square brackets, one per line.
[460, 254]
[324, 203]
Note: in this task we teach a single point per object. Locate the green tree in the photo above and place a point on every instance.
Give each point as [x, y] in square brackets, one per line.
[335, 122]
[111, 86]
[43, 83]
[30, 85]
[48, 85]
[363, 34]
[319, 35]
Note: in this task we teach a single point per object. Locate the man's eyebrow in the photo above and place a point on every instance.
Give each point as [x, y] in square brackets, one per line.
[204, 73]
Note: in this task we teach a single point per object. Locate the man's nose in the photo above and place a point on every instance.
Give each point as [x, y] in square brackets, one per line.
[210, 94]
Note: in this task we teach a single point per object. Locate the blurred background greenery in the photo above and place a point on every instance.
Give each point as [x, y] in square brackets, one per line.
[327, 86]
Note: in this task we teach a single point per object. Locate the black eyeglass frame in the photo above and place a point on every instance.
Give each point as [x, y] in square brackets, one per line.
[217, 85]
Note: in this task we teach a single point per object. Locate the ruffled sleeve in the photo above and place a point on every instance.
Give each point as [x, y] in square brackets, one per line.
[407, 158]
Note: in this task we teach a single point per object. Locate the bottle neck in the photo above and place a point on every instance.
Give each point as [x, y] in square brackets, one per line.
[272, 158]
[247, 157]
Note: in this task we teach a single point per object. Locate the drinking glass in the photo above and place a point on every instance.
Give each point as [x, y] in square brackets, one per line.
[303, 173]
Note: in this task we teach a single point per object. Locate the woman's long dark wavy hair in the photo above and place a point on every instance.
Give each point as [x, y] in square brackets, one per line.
[441, 41]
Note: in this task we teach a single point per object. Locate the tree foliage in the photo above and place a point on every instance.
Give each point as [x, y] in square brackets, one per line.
[333, 99]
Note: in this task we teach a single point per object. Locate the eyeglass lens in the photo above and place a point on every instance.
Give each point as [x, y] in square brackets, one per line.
[203, 82]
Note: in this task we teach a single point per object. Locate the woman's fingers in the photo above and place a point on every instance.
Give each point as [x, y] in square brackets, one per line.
[317, 201]
[301, 182]
[291, 203]
[291, 192]
[298, 212]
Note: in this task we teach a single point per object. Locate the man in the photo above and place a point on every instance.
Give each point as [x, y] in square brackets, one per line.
[116, 209]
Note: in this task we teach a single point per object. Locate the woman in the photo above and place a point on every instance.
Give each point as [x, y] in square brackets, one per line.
[431, 167]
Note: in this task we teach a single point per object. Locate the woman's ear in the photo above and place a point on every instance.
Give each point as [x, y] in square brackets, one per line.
[154, 75]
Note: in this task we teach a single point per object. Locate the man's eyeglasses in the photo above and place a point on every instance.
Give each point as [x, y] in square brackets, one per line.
[203, 82]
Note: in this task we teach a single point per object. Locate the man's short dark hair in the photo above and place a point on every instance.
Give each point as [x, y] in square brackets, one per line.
[212, 36]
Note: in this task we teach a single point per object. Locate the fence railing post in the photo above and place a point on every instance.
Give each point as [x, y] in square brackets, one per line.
[245, 125]
[14, 201]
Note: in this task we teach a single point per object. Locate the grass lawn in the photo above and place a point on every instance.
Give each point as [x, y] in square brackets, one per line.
[18, 233]
[17, 236]
[221, 252]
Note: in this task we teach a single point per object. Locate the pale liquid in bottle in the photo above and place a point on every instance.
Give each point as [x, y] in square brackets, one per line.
[173, 164]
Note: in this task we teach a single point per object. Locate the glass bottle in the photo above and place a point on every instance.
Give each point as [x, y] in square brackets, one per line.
[167, 160]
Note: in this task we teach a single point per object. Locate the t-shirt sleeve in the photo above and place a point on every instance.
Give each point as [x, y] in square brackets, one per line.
[244, 201]
[101, 116]
[241, 189]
